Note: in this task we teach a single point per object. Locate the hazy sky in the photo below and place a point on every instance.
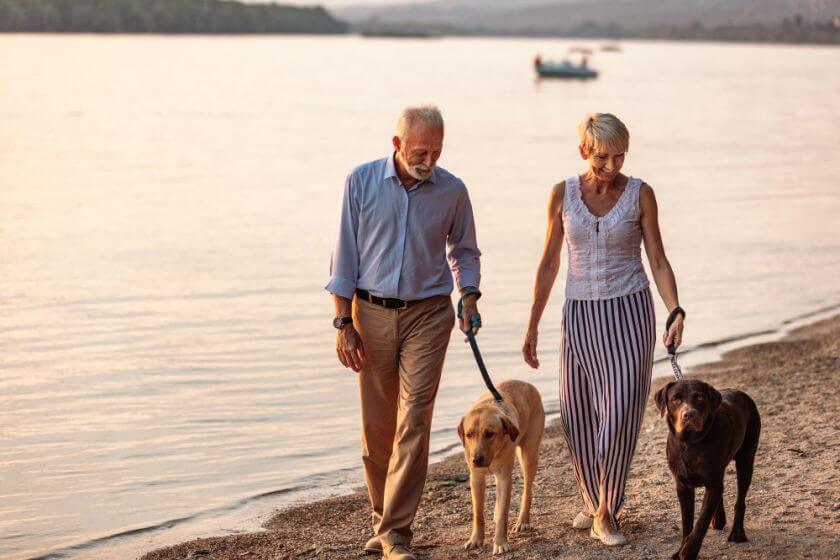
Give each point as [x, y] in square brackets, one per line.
[334, 3]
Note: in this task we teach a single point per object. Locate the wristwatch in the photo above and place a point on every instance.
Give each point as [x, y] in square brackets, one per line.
[339, 322]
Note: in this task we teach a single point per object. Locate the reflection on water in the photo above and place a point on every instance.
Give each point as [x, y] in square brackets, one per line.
[168, 205]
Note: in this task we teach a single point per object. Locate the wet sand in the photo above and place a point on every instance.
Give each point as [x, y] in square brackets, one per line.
[793, 508]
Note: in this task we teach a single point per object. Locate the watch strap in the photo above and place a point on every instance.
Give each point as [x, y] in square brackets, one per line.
[673, 315]
[339, 322]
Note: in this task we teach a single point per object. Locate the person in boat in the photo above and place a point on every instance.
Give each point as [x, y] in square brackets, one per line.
[537, 61]
[609, 329]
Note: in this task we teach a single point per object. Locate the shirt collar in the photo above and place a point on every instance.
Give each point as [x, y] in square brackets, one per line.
[391, 171]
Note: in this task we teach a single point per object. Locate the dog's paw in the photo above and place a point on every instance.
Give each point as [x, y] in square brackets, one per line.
[521, 527]
[737, 535]
[685, 553]
[474, 542]
[501, 547]
[681, 554]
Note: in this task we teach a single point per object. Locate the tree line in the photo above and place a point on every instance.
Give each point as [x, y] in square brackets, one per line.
[792, 30]
[789, 30]
[162, 16]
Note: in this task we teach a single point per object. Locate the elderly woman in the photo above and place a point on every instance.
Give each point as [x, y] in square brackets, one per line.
[608, 318]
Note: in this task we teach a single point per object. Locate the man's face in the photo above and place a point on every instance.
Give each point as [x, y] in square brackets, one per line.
[420, 150]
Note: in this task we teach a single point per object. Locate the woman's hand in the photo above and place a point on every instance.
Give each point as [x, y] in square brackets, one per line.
[674, 334]
[529, 349]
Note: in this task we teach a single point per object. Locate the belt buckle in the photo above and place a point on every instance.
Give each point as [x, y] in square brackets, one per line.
[404, 305]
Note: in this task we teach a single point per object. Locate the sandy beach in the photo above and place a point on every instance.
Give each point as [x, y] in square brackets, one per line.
[793, 508]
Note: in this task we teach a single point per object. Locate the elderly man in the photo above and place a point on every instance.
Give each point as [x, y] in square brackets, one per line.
[404, 224]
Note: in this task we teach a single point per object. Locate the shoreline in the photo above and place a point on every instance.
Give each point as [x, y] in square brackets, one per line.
[793, 508]
[500, 36]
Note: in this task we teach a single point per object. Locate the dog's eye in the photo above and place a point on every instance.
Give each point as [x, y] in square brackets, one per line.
[489, 434]
[470, 435]
[676, 400]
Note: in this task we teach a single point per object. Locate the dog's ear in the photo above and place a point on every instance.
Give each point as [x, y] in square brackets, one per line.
[461, 431]
[714, 397]
[661, 398]
[510, 428]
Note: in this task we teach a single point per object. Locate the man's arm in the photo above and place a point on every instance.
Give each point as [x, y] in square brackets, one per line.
[343, 306]
[344, 264]
[348, 344]
[464, 258]
[344, 271]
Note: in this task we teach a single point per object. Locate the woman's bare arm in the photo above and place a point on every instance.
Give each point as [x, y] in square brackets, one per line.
[546, 272]
[663, 275]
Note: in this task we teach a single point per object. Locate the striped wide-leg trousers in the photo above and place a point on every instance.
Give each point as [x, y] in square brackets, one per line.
[606, 364]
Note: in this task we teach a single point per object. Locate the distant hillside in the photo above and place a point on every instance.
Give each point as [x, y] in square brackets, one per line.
[163, 16]
[436, 10]
[508, 16]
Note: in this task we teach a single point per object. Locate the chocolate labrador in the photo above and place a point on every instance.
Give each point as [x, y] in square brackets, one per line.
[708, 428]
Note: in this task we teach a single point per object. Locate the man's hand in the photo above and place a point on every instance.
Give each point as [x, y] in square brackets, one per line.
[469, 309]
[348, 346]
[529, 349]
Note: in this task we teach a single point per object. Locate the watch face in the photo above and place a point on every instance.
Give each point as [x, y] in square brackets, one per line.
[339, 322]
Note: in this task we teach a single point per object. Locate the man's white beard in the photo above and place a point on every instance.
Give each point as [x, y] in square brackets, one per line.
[419, 172]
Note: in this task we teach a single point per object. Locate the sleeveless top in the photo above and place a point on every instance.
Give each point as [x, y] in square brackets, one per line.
[605, 253]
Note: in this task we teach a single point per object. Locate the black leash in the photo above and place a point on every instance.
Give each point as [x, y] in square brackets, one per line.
[475, 322]
[672, 349]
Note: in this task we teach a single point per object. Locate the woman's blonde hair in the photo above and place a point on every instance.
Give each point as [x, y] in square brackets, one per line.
[603, 132]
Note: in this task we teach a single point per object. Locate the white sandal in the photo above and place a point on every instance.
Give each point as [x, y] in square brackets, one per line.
[613, 539]
[582, 521]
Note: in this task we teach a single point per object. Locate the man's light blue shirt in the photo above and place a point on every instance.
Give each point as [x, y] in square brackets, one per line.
[403, 243]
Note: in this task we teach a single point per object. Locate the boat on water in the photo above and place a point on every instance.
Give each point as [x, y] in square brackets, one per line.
[565, 69]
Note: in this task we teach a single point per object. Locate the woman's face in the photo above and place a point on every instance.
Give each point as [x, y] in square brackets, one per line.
[604, 165]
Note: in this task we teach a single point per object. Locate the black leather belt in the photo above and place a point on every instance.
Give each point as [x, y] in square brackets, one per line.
[390, 303]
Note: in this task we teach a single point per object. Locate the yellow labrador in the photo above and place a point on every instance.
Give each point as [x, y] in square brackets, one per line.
[491, 432]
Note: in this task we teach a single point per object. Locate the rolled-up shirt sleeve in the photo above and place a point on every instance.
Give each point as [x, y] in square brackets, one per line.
[344, 264]
[461, 245]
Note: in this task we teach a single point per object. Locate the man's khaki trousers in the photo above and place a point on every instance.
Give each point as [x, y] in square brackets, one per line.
[404, 352]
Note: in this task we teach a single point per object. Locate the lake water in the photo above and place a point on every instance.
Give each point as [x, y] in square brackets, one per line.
[168, 206]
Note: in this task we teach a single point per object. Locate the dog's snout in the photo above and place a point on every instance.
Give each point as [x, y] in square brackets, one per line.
[477, 460]
[689, 413]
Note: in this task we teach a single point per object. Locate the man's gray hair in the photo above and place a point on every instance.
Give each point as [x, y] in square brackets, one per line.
[426, 114]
